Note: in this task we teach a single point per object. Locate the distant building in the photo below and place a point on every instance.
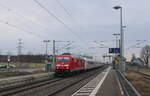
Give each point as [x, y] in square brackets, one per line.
[137, 61]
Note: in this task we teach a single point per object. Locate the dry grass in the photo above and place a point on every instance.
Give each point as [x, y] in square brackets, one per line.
[38, 71]
[140, 69]
[140, 83]
[13, 74]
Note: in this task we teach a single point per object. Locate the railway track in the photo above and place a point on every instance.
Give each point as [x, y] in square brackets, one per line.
[7, 91]
[146, 76]
[50, 86]
[69, 83]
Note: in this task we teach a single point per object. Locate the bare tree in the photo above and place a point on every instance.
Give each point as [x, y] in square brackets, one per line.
[145, 54]
[133, 57]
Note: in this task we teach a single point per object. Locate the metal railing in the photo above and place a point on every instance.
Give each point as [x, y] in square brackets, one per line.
[127, 87]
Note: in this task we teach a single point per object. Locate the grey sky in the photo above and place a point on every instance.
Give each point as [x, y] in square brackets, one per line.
[97, 19]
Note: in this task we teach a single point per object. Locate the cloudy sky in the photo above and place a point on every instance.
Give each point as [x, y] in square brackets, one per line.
[81, 21]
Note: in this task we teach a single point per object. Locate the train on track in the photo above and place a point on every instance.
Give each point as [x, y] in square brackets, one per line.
[69, 63]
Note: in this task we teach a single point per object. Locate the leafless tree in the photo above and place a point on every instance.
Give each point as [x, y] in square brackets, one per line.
[133, 57]
[145, 54]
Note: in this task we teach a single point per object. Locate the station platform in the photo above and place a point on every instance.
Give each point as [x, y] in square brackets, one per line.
[105, 84]
[110, 86]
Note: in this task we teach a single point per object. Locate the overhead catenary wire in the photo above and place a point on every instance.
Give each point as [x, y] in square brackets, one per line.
[101, 44]
[14, 26]
[30, 32]
[66, 46]
[137, 44]
[53, 15]
[21, 15]
[68, 13]
[18, 14]
[60, 21]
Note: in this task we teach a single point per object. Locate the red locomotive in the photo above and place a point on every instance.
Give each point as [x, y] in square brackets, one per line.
[67, 63]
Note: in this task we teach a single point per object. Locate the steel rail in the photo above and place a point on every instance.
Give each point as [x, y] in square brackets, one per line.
[76, 82]
[27, 86]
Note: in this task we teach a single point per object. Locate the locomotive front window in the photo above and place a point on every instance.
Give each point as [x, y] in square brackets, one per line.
[63, 59]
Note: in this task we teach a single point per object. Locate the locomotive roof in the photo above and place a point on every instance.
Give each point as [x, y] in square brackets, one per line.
[71, 55]
[75, 56]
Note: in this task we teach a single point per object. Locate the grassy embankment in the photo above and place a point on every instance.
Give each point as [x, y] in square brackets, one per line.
[140, 69]
[11, 73]
[29, 65]
[138, 81]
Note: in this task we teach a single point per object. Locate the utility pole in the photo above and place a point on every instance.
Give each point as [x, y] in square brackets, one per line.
[8, 58]
[46, 53]
[53, 65]
[19, 46]
[19, 50]
[123, 28]
[117, 45]
[123, 63]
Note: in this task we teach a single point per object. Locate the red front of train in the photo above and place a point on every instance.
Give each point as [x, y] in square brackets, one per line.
[68, 63]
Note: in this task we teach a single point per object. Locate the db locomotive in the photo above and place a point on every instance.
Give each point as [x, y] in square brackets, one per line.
[68, 63]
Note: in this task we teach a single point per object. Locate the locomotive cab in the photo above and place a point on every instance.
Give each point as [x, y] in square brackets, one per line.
[68, 63]
[62, 63]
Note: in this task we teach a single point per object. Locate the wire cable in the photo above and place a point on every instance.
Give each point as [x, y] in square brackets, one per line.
[59, 20]
[21, 15]
[14, 26]
[68, 13]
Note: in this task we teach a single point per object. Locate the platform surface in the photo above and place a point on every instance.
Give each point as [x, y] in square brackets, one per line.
[105, 84]
[110, 86]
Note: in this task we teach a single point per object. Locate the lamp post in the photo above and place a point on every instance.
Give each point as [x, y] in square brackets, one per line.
[121, 39]
[121, 30]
